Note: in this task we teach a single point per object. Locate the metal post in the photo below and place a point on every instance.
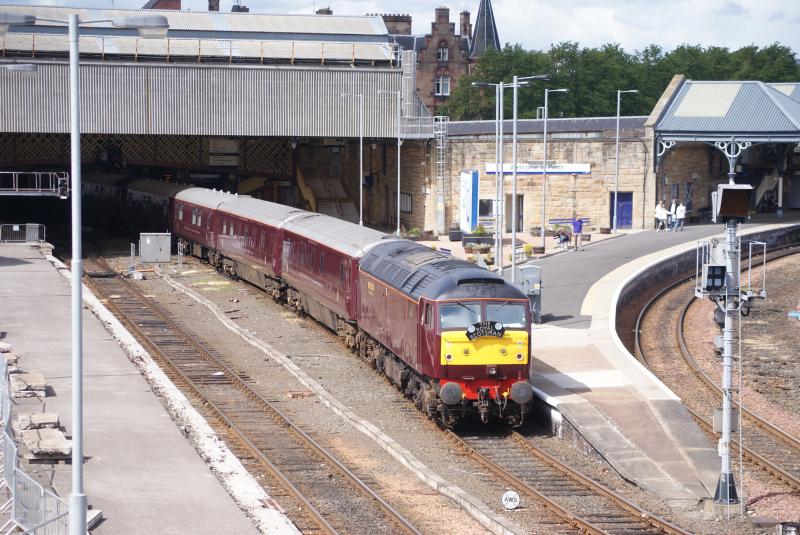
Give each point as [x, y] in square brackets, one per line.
[361, 160]
[77, 499]
[726, 486]
[544, 168]
[616, 168]
[514, 187]
[497, 92]
[399, 142]
[501, 193]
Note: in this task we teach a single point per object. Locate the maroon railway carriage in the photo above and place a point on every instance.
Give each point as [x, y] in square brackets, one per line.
[452, 336]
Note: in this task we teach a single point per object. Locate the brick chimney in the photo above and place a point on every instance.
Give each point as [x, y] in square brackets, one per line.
[465, 25]
[324, 11]
[213, 5]
[398, 24]
[442, 15]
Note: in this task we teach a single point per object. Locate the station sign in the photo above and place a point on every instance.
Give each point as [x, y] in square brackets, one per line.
[538, 168]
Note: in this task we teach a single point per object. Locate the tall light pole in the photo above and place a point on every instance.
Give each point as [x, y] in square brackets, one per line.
[399, 142]
[148, 26]
[616, 165]
[544, 159]
[360, 97]
[516, 84]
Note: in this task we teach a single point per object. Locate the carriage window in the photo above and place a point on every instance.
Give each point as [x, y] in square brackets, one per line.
[194, 216]
[230, 229]
[180, 212]
[511, 315]
[224, 227]
[321, 260]
[459, 315]
[199, 218]
[262, 239]
[341, 274]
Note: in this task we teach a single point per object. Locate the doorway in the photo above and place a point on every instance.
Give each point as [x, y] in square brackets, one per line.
[624, 209]
[520, 213]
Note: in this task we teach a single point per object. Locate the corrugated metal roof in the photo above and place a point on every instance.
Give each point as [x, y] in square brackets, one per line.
[789, 89]
[215, 100]
[343, 236]
[129, 46]
[536, 126]
[730, 109]
[370, 25]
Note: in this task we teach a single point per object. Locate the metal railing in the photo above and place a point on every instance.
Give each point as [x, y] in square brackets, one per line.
[33, 508]
[23, 233]
[34, 183]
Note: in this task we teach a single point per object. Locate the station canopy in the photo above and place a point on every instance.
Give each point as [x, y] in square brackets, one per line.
[741, 111]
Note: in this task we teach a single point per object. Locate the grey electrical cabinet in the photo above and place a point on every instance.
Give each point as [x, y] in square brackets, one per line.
[155, 247]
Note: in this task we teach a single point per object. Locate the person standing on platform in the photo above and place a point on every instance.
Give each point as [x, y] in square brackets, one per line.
[680, 217]
[671, 222]
[577, 229]
[661, 216]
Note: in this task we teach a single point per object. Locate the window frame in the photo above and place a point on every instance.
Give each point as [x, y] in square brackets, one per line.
[406, 203]
[439, 86]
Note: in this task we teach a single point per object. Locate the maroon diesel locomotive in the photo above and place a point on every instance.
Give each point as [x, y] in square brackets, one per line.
[453, 337]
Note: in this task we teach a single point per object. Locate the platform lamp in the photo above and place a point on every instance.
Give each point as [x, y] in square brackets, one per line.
[544, 158]
[150, 26]
[616, 164]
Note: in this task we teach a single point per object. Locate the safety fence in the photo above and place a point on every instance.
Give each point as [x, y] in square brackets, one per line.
[31, 507]
[34, 183]
[23, 233]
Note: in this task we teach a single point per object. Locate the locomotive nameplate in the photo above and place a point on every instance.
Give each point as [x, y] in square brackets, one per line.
[485, 328]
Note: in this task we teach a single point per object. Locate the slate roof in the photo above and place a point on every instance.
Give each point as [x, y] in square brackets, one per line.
[485, 35]
[536, 126]
[715, 110]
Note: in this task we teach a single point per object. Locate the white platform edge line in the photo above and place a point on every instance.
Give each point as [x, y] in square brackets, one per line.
[246, 492]
[472, 505]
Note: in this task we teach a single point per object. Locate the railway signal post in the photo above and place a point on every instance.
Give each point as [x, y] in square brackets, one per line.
[718, 266]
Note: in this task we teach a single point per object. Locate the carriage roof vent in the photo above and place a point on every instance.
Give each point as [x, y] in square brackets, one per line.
[480, 280]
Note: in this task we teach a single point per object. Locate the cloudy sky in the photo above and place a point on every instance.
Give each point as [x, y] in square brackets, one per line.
[537, 24]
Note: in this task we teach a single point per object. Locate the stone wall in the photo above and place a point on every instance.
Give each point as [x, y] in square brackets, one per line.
[567, 195]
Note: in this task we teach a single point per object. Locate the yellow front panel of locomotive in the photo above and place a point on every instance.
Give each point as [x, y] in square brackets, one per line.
[457, 350]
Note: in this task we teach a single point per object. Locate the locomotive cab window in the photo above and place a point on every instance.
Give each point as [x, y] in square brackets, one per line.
[428, 316]
[459, 315]
[511, 315]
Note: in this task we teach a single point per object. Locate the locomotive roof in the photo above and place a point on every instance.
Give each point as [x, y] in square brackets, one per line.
[419, 271]
[346, 237]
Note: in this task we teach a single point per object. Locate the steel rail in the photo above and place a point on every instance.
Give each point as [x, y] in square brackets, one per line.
[553, 506]
[235, 378]
[758, 421]
[635, 511]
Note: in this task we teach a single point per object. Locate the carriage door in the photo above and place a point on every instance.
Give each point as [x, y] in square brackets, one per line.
[428, 350]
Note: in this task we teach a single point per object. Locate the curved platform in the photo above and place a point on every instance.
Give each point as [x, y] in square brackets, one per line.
[583, 371]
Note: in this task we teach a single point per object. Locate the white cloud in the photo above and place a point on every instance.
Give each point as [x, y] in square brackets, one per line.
[538, 23]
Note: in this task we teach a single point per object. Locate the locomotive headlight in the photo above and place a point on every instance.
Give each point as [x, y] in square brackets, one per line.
[519, 356]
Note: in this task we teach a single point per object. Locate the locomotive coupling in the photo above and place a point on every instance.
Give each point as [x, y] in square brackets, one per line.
[521, 392]
[451, 393]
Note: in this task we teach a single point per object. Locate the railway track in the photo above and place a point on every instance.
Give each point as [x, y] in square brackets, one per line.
[577, 503]
[766, 445]
[317, 492]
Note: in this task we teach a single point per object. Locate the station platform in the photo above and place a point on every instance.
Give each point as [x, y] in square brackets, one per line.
[140, 470]
[583, 371]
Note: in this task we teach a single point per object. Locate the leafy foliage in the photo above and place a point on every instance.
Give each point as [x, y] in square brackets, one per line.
[593, 76]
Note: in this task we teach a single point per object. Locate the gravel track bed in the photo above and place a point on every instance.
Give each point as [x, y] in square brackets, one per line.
[659, 343]
[352, 381]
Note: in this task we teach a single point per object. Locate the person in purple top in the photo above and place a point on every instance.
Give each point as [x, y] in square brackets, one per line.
[577, 229]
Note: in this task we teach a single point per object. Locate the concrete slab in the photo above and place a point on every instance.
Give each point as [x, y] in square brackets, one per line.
[140, 470]
[582, 369]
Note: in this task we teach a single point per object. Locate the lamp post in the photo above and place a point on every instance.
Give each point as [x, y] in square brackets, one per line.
[516, 84]
[399, 142]
[360, 97]
[616, 165]
[544, 159]
[498, 162]
[151, 26]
